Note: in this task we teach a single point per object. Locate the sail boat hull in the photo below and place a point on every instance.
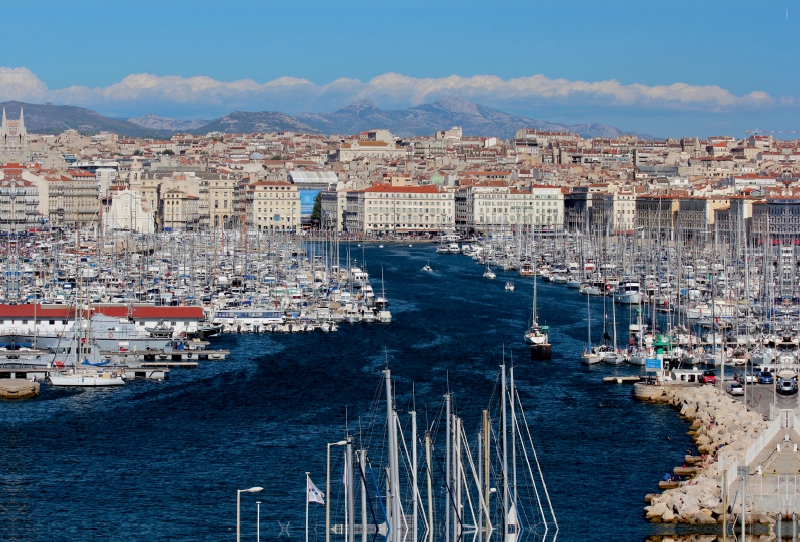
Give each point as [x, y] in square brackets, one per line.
[91, 381]
[540, 351]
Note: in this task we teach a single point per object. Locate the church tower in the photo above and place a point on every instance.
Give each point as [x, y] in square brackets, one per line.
[14, 139]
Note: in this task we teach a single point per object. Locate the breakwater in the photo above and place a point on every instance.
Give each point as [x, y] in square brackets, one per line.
[719, 424]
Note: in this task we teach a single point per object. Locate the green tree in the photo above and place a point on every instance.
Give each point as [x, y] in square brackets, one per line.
[316, 213]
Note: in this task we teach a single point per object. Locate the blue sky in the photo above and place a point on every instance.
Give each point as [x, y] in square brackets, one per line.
[667, 68]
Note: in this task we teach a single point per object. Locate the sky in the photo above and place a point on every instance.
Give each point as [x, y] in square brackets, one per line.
[664, 68]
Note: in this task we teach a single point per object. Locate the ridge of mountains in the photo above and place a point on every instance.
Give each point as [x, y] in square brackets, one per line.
[422, 120]
[52, 119]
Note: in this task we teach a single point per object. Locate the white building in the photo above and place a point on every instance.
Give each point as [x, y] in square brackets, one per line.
[273, 206]
[487, 206]
[383, 209]
[371, 149]
[128, 212]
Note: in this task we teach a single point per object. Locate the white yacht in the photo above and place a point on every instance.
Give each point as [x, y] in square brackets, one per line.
[629, 293]
[86, 378]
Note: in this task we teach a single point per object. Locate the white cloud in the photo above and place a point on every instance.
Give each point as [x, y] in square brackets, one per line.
[21, 84]
[145, 90]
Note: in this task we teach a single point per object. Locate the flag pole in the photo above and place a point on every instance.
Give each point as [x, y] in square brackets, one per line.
[307, 488]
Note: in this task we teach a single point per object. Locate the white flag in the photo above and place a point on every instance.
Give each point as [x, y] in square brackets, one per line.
[312, 493]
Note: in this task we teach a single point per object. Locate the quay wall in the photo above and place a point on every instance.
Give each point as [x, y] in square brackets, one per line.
[721, 428]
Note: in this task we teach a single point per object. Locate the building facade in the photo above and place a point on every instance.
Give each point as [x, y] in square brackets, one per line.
[385, 209]
[481, 207]
[272, 206]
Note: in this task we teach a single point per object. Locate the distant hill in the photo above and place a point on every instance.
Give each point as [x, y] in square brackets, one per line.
[156, 122]
[425, 119]
[52, 119]
[240, 122]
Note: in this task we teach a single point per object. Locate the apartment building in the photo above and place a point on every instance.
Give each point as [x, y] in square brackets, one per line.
[387, 209]
[178, 211]
[19, 204]
[483, 206]
[272, 206]
[217, 202]
[370, 149]
[73, 199]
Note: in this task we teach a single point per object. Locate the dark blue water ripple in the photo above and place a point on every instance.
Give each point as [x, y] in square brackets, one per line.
[162, 461]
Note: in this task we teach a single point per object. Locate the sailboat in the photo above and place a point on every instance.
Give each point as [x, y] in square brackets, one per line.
[87, 367]
[537, 337]
[591, 355]
[489, 274]
[615, 357]
[502, 461]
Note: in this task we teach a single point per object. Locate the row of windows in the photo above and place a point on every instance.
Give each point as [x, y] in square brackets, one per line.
[415, 196]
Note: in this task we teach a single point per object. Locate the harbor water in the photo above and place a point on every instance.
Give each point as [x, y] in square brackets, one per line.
[163, 460]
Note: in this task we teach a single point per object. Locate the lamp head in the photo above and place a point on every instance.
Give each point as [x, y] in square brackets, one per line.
[254, 489]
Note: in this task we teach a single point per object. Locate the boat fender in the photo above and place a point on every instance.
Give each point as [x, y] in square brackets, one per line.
[619, 380]
[110, 335]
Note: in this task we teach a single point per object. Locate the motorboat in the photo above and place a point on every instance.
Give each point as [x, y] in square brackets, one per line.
[489, 274]
[629, 293]
[427, 268]
[509, 286]
[573, 283]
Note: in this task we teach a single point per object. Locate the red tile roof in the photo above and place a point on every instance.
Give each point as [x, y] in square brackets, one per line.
[147, 312]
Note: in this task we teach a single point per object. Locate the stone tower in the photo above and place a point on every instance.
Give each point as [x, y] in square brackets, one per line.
[14, 139]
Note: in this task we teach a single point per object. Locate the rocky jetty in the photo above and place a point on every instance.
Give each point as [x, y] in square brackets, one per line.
[719, 424]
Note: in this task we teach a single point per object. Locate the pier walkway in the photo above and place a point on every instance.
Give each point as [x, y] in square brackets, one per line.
[772, 465]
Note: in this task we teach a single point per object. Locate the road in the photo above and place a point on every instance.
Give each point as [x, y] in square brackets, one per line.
[760, 396]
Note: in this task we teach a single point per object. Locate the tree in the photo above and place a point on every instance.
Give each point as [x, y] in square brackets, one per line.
[168, 152]
[316, 213]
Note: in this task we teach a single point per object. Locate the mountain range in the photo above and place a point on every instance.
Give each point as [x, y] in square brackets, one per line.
[53, 119]
[425, 119]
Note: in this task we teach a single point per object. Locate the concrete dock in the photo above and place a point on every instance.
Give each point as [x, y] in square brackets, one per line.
[18, 388]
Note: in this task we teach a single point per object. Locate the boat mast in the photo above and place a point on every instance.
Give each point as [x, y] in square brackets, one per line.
[414, 489]
[513, 434]
[394, 478]
[430, 485]
[486, 470]
[349, 492]
[362, 466]
[448, 467]
[505, 449]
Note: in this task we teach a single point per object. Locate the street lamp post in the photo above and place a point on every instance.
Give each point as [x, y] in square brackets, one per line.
[254, 489]
[328, 490]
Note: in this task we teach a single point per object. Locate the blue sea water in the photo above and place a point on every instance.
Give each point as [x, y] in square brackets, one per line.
[163, 460]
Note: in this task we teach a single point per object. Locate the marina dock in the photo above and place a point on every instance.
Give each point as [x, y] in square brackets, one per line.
[18, 388]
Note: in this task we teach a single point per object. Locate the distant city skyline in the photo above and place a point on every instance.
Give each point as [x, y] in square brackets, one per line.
[668, 70]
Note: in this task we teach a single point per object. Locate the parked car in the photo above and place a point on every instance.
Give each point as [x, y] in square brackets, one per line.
[786, 386]
[748, 378]
[765, 378]
[708, 377]
[736, 389]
